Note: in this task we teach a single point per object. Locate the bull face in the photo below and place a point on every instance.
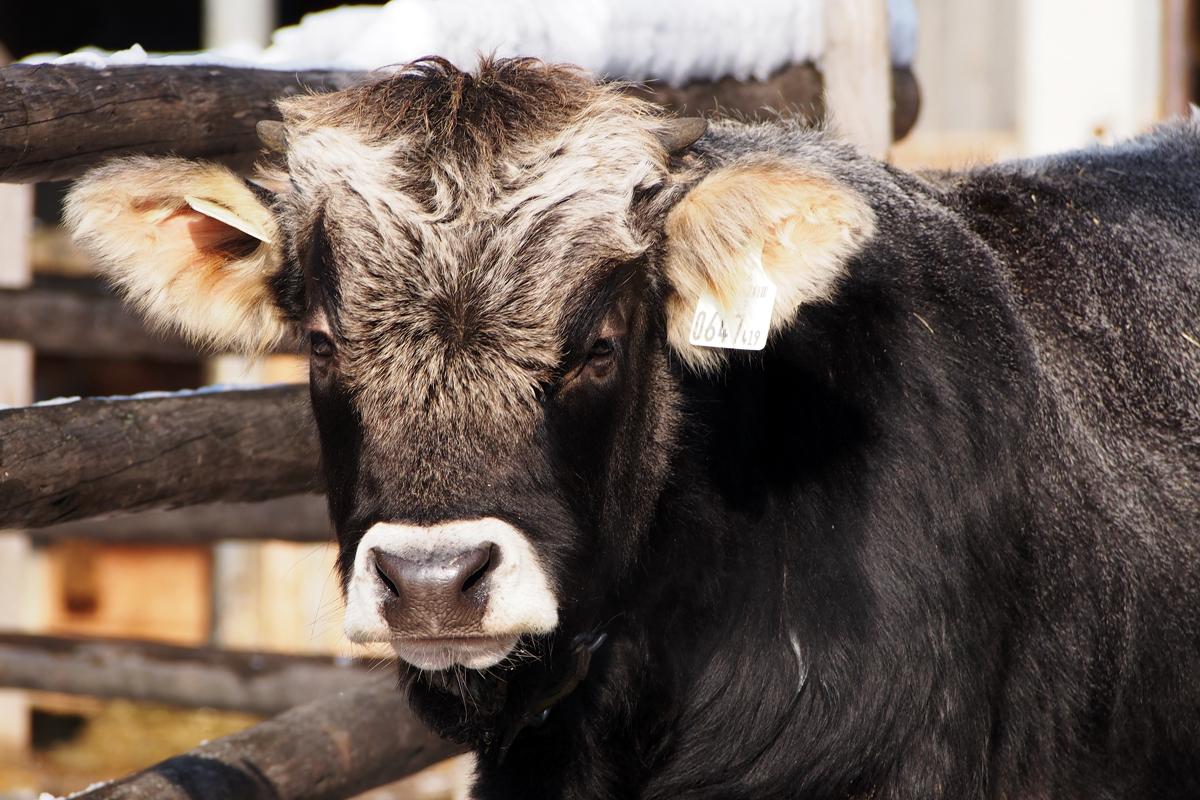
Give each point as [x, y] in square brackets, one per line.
[495, 276]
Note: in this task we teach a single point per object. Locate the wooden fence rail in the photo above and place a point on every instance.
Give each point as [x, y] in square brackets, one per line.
[257, 683]
[331, 749]
[85, 321]
[80, 324]
[56, 121]
[299, 518]
[92, 457]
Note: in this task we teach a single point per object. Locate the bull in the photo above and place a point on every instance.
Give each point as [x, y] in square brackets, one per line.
[723, 461]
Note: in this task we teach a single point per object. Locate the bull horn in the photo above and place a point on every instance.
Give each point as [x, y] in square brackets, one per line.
[679, 133]
[273, 135]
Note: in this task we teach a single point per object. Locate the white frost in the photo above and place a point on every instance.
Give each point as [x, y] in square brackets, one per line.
[210, 389]
[668, 40]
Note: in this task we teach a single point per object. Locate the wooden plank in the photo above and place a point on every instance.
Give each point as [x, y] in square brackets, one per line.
[56, 121]
[16, 373]
[16, 225]
[966, 57]
[1177, 56]
[279, 596]
[331, 749]
[92, 457]
[299, 518]
[160, 593]
[257, 683]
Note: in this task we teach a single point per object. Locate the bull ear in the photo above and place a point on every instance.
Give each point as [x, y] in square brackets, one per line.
[190, 244]
[802, 226]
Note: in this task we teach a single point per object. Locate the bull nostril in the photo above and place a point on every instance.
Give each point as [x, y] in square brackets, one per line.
[484, 556]
[391, 587]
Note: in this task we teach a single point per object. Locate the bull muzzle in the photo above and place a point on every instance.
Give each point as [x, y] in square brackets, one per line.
[461, 592]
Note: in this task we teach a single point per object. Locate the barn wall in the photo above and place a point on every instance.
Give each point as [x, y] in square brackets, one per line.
[128, 591]
[1087, 72]
[966, 63]
[1007, 78]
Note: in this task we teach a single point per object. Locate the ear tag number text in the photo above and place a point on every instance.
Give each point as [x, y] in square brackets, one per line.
[745, 325]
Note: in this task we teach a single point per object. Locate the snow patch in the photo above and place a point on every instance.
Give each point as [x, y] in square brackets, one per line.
[669, 40]
[211, 389]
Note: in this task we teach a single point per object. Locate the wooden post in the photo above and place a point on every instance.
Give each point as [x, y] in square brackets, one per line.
[299, 518]
[857, 70]
[1177, 63]
[17, 593]
[229, 21]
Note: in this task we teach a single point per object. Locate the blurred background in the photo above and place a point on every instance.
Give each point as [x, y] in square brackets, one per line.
[996, 79]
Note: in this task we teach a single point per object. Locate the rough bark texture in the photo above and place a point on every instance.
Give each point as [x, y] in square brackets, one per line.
[258, 683]
[797, 90]
[794, 90]
[328, 750]
[56, 121]
[300, 518]
[92, 457]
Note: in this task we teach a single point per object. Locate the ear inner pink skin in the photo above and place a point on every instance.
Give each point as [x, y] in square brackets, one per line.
[205, 232]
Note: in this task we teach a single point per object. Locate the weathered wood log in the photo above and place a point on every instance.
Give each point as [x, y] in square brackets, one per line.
[56, 121]
[257, 683]
[300, 518]
[79, 319]
[91, 457]
[332, 749]
[80, 324]
[906, 102]
[796, 89]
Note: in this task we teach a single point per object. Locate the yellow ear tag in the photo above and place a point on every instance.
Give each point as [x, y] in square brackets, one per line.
[743, 326]
[222, 214]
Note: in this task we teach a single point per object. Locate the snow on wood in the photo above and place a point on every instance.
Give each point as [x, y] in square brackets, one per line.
[674, 40]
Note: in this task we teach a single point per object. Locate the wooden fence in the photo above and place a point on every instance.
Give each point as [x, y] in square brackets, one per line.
[193, 466]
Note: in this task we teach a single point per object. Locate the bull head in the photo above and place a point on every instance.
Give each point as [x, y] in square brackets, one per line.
[490, 272]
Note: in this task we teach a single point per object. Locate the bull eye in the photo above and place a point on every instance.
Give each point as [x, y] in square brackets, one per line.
[601, 355]
[320, 345]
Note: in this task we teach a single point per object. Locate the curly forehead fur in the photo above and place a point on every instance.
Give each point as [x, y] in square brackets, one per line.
[452, 226]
